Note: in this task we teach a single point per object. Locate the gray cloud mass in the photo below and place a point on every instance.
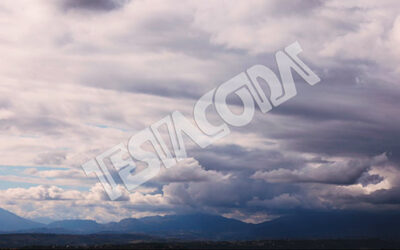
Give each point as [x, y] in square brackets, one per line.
[81, 76]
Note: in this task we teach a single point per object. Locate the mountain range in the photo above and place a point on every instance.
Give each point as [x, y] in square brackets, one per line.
[300, 225]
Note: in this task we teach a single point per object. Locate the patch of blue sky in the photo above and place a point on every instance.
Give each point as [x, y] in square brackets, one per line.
[11, 184]
[5, 168]
[20, 171]
[14, 184]
[108, 126]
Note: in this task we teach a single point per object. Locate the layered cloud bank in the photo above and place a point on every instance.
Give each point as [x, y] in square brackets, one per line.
[78, 77]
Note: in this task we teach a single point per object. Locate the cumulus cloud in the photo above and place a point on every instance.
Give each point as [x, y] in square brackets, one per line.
[187, 170]
[40, 193]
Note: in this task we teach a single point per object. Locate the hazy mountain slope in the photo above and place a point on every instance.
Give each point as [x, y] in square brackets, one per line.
[12, 222]
[184, 226]
[302, 224]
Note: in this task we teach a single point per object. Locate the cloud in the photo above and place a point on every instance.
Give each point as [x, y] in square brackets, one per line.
[327, 173]
[188, 170]
[93, 5]
[282, 201]
[40, 193]
[107, 69]
[330, 174]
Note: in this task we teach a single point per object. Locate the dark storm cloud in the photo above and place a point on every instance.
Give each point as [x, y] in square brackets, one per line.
[339, 117]
[92, 5]
[236, 158]
[366, 179]
[384, 196]
[227, 193]
[327, 173]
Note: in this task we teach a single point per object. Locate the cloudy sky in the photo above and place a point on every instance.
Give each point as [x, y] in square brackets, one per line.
[80, 76]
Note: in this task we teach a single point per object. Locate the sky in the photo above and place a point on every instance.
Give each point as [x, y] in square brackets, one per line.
[78, 77]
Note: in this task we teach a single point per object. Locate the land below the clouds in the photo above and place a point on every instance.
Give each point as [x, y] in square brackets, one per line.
[134, 241]
[303, 229]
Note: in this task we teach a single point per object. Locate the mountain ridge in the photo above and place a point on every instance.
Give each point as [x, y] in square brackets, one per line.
[303, 224]
[10, 221]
